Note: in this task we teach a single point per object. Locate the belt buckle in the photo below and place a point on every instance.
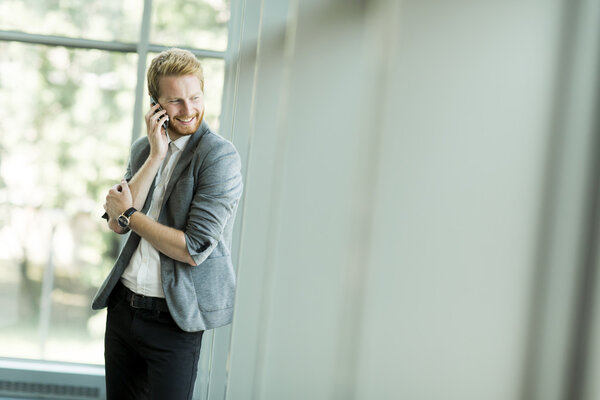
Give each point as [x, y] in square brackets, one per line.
[132, 300]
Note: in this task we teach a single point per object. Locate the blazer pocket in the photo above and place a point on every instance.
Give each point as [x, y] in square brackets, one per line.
[214, 281]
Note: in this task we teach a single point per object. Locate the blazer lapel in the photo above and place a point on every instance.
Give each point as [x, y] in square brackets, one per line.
[145, 153]
[185, 159]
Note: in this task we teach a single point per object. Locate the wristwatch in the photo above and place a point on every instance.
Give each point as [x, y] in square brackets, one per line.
[123, 219]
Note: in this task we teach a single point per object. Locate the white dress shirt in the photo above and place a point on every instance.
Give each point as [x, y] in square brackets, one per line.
[142, 275]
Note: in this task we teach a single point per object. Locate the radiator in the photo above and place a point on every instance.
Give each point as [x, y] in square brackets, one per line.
[31, 379]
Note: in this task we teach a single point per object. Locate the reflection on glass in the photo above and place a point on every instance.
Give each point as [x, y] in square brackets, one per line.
[95, 19]
[214, 77]
[65, 132]
[198, 24]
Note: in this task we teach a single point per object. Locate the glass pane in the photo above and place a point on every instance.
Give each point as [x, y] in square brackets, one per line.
[214, 78]
[66, 142]
[200, 24]
[108, 20]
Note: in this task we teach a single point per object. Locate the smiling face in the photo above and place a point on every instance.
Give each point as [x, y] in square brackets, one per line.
[183, 99]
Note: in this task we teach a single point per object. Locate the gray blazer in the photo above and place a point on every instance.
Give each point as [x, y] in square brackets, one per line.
[201, 200]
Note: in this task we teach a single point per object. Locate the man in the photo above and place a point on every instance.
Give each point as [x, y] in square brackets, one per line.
[174, 277]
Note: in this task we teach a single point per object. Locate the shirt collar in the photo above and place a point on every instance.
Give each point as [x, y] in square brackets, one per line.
[181, 142]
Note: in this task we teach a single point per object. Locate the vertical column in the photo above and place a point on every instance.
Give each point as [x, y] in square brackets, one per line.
[142, 52]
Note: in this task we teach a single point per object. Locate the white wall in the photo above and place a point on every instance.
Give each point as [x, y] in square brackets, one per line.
[397, 191]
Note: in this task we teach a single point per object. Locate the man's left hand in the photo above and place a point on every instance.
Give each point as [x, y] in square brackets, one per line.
[118, 200]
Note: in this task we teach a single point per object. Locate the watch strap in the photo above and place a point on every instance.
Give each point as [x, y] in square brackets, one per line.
[129, 211]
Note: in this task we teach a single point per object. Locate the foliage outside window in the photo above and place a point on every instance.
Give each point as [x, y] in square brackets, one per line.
[189, 24]
[65, 131]
[108, 20]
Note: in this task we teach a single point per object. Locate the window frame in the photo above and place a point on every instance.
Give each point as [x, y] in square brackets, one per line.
[215, 347]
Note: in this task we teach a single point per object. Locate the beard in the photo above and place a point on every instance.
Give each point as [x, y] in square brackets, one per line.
[183, 130]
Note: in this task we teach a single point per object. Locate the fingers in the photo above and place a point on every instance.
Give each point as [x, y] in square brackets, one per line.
[156, 117]
[162, 114]
[124, 186]
[117, 190]
[162, 120]
[156, 129]
[155, 109]
[118, 199]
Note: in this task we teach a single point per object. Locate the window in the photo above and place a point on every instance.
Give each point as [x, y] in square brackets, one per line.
[95, 19]
[204, 25]
[63, 145]
[68, 89]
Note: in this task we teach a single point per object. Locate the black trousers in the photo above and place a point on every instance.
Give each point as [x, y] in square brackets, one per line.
[147, 356]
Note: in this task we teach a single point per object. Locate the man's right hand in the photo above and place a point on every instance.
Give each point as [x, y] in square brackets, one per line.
[159, 143]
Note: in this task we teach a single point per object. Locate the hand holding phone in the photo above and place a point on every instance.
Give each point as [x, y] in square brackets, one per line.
[154, 102]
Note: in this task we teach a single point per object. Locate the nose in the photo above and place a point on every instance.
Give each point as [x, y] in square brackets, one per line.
[187, 107]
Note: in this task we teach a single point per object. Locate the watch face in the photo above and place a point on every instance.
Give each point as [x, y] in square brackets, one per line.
[123, 221]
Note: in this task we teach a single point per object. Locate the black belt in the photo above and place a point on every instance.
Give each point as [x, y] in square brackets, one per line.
[138, 301]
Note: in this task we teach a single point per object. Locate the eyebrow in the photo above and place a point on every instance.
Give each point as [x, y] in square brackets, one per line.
[177, 98]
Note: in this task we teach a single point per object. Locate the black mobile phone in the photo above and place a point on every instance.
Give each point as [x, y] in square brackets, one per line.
[153, 102]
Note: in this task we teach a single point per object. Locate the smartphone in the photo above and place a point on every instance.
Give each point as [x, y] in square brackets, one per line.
[153, 102]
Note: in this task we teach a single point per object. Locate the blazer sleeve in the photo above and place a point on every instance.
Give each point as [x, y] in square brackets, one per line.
[219, 188]
[137, 148]
[140, 149]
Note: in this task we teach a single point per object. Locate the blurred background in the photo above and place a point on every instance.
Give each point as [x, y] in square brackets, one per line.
[421, 192]
[67, 117]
